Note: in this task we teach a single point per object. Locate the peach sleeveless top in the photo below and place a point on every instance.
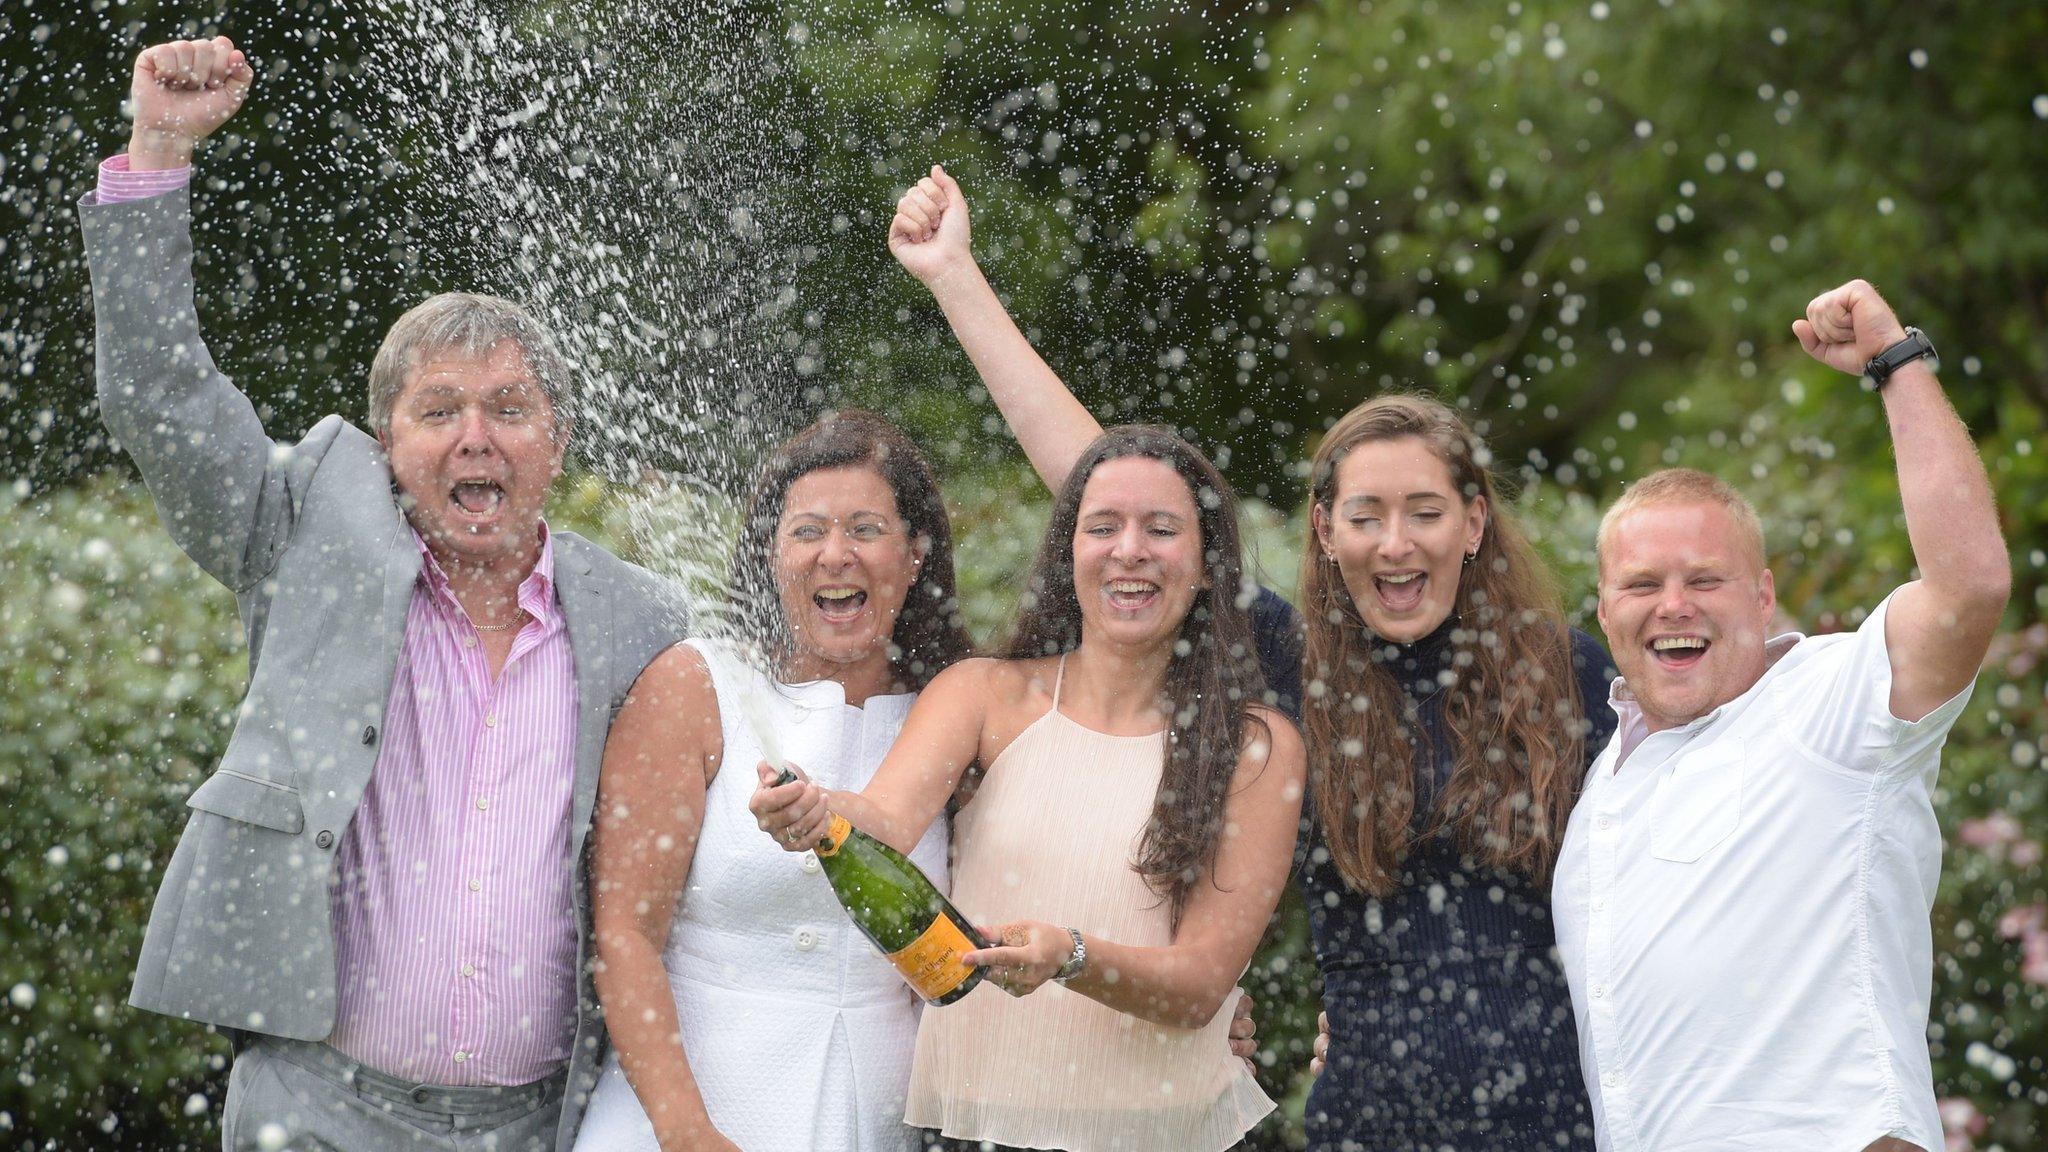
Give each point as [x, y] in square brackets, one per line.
[1050, 835]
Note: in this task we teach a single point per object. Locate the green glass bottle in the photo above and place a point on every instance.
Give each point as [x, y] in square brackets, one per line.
[899, 909]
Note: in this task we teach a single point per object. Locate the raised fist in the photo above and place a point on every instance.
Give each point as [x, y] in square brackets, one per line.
[929, 235]
[182, 91]
[1848, 326]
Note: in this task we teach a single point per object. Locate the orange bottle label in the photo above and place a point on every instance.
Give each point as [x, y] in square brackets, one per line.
[835, 834]
[931, 963]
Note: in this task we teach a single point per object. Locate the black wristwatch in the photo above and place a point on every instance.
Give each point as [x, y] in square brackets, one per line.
[1913, 347]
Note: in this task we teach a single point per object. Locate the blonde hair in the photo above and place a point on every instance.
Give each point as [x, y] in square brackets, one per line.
[1686, 486]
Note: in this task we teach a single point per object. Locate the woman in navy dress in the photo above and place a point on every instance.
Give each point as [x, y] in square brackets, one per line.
[1450, 715]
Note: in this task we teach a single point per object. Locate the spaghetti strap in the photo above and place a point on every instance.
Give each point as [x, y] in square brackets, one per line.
[1059, 675]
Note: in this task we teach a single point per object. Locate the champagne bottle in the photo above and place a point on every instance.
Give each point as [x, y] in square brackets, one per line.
[893, 903]
[900, 910]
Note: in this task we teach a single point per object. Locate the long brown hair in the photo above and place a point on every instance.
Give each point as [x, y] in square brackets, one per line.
[929, 636]
[1213, 675]
[1514, 714]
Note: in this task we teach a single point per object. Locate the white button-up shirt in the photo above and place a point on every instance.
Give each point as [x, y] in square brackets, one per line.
[1742, 909]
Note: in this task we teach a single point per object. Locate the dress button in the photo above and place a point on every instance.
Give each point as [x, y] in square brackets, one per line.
[806, 939]
[1610, 1079]
[1599, 904]
[1606, 823]
[324, 839]
[1598, 991]
[810, 862]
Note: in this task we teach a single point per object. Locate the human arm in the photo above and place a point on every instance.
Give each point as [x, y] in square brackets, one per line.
[939, 741]
[1937, 628]
[930, 237]
[1184, 983]
[659, 758]
[223, 492]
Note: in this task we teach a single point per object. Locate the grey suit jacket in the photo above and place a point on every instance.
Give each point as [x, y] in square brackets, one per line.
[310, 538]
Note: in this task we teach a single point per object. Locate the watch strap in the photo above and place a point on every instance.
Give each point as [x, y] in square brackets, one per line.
[1076, 960]
[1914, 346]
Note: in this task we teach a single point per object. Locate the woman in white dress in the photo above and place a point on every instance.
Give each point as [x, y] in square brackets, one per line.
[745, 1009]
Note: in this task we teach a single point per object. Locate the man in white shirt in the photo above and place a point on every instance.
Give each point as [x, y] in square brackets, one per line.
[1743, 894]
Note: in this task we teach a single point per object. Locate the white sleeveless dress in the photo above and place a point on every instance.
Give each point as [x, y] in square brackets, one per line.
[798, 1032]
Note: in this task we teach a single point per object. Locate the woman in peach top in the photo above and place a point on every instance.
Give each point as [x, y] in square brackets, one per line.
[1131, 833]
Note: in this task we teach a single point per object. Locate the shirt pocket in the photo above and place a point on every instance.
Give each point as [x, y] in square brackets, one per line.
[1699, 804]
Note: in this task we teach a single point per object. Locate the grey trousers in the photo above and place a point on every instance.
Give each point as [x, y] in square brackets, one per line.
[305, 1097]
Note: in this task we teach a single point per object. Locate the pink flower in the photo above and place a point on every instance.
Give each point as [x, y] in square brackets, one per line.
[1960, 1121]
[2034, 958]
[2024, 853]
[1988, 832]
[2023, 920]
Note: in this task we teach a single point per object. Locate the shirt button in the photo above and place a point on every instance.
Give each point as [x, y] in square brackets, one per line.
[461, 1056]
[483, 802]
[469, 969]
[491, 720]
[806, 939]
[476, 885]
[469, 641]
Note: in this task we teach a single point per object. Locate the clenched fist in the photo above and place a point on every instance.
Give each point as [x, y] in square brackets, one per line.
[1845, 328]
[929, 235]
[182, 92]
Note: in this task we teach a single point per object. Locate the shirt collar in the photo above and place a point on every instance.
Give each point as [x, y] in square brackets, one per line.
[536, 592]
[1628, 713]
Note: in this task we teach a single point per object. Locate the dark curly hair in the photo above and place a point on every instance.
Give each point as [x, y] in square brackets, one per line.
[929, 635]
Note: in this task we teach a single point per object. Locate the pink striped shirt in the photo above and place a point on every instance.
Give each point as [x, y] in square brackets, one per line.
[454, 919]
[117, 183]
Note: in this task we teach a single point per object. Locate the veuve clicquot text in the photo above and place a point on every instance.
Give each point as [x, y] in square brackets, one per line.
[899, 909]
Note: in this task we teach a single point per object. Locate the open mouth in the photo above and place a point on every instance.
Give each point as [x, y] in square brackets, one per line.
[1678, 653]
[477, 498]
[1400, 591]
[1130, 595]
[840, 605]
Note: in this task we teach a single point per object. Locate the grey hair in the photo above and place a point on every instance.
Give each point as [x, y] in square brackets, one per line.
[469, 324]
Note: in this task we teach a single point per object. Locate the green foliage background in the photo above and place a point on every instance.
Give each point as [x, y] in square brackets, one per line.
[1590, 223]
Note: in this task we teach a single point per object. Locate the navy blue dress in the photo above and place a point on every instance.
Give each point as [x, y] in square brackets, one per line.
[1450, 1022]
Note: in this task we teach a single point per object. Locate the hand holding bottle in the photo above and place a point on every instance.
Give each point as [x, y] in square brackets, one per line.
[1031, 953]
[794, 813]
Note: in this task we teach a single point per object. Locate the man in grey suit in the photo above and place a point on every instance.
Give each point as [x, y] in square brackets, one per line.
[380, 893]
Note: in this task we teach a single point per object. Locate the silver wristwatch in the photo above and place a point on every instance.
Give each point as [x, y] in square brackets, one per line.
[1076, 960]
